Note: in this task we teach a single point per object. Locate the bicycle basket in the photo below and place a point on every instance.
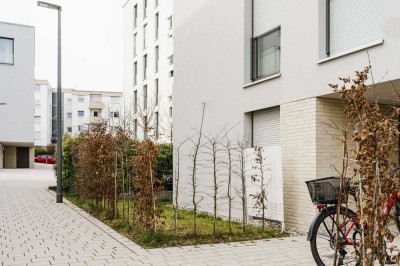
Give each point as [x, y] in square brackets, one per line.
[325, 190]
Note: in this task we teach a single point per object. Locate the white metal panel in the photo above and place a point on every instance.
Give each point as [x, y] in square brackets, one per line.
[267, 15]
[266, 127]
[272, 161]
[354, 23]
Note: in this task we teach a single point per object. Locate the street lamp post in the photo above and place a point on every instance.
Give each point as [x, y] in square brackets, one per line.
[59, 197]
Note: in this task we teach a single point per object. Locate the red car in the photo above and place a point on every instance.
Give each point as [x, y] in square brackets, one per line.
[45, 159]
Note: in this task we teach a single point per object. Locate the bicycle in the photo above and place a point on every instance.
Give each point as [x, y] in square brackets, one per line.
[323, 230]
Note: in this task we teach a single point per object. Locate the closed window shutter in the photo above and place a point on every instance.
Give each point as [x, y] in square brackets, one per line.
[354, 23]
[266, 127]
[267, 15]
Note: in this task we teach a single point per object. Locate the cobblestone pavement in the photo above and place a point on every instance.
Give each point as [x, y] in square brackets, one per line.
[37, 231]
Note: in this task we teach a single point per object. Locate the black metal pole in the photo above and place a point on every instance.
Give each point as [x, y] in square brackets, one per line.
[59, 120]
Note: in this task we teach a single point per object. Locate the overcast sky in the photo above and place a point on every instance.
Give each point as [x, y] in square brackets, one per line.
[91, 41]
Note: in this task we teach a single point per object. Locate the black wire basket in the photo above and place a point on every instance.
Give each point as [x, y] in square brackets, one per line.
[326, 190]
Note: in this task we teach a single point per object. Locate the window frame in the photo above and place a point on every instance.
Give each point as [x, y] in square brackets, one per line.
[13, 51]
[254, 55]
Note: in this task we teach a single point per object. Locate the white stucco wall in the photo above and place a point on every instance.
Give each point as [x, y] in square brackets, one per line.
[212, 65]
[16, 87]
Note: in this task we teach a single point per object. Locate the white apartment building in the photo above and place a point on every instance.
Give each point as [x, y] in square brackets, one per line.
[82, 108]
[265, 66]
[17, 64]
[148, 67]
[43, 113]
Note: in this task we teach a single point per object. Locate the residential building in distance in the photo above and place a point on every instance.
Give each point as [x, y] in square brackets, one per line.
[148, 68]
[17, 64]
[274, 88]
[79, 110]
[43, 113]
[82, 108]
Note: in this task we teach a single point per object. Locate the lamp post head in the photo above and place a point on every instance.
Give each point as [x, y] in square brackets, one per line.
[49, 5]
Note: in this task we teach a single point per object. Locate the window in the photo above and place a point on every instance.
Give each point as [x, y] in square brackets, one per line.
[69, 100]
[135, 127]
[135, 107]
[6, 51]
[144, 8]
[170, 111]
[145, 97]
[157, 57]
[96, 113]
[348, 27]
[134, 73]
[156, 3]
[156, 92]
[266, 127]
[145, 127]
[135, 16]
[69, 115]
[81, 113]
[95, 97]
[115, 114]
[266, 41]
[69, 129]
[37, 120]
[145, 67]
[170, 22]
[81, 99]
[38, 135]
[115, 100]
[171, 73]
[266, 54]
[157, 121]
[134, 44]
[144, 36]
[80, 128]
[157, 25]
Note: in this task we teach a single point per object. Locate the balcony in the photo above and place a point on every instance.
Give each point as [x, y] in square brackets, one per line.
[95, 120]
[95, 105]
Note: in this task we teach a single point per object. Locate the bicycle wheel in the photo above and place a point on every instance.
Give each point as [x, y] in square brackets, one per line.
[323, 241]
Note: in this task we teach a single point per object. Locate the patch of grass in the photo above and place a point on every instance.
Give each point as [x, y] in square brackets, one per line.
[165, 235]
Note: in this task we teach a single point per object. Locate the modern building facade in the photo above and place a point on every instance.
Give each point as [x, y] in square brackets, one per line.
[17, 63]
[265, 67]
[43, 113]
[148, 67]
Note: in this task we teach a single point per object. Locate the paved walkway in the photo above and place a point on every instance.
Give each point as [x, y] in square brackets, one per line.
[34, 230]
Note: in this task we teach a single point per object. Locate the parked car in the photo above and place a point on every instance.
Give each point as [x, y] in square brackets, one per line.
[45, 159]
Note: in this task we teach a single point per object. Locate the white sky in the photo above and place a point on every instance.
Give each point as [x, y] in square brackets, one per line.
[91, 41]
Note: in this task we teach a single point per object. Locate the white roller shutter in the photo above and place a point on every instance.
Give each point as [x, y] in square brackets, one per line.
[267, 15]
[266, 127]
[354, 23]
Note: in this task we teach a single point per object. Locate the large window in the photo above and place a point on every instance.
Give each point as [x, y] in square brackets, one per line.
[6, 51]
[267, 54]
[157, 55]
[134, 44]
[144, 8]
[135, 73]
[135, 101]
[156, 91]
[157, 124]
[81, 113]
[144, 36]
[145, 67]
[266, 41]
[157, 25]
[145, 97]
[135, 16]
[351, 24]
